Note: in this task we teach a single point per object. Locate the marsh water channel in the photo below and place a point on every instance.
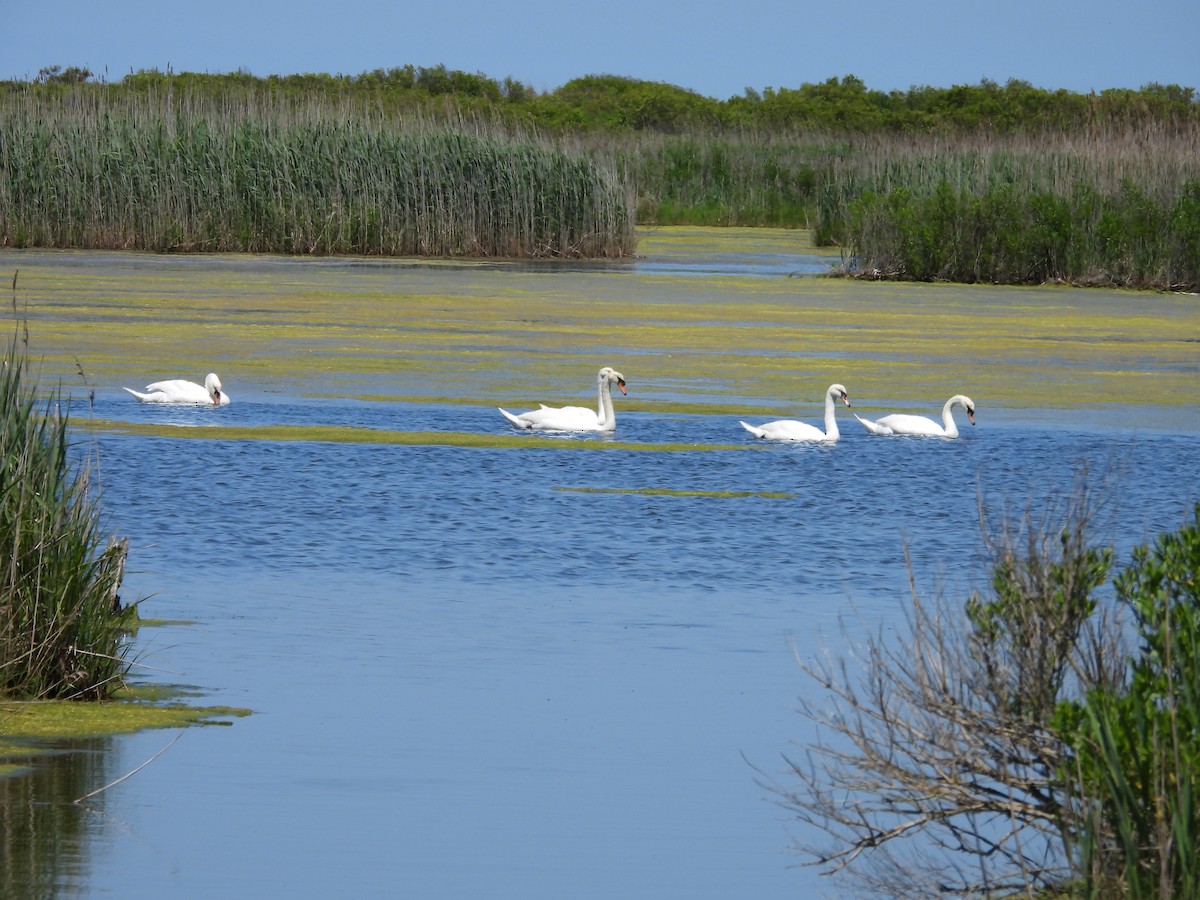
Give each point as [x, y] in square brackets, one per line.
[484, 663]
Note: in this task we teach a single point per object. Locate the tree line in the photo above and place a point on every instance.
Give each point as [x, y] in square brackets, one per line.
[616, 103]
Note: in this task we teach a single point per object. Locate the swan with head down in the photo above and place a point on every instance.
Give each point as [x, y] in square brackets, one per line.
[576, 418]
[180, 391]
[901, 423]
[791, 430]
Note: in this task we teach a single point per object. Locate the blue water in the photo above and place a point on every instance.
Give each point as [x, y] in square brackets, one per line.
[470, 678]
[470, 675]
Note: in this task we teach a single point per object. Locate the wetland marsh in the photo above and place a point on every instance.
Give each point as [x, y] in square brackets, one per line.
[481, 661]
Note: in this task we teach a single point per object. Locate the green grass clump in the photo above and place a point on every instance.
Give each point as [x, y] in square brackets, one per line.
[62, 624]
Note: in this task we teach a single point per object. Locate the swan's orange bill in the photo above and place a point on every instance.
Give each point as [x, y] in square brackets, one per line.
[621, 385]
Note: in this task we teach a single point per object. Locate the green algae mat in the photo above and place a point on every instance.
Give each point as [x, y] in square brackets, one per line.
[514, 334]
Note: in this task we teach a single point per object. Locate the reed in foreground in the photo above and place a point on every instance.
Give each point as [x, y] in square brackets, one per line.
[62, 624]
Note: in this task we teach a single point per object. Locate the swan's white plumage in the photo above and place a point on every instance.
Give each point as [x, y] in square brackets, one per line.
[576, 418]
[902, 423]
[791, 430]
[180, 391]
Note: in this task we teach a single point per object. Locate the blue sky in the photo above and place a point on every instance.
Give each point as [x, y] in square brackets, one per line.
[715, 48]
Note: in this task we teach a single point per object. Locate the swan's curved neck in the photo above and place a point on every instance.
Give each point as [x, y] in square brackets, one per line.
[948, 419]
[605, 412]
[831, 429]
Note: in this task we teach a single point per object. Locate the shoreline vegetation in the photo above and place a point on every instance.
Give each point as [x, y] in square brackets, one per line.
[1039, 739]
[1001, 184]
[64, 630]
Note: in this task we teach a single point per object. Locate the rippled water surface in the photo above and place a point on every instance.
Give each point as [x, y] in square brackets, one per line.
[525, 672]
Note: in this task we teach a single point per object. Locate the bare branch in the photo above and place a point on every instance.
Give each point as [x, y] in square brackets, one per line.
[937, 768]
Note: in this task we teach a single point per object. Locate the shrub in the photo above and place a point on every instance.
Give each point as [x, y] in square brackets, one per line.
[1136, 747]
[1021, 743]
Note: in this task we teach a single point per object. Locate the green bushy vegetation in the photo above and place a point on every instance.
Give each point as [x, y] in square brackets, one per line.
[62, 625]
[1135, 757]
[997, 183]
[1032, 742]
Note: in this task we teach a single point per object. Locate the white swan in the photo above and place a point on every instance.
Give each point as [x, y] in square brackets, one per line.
[900, 423]
[179, 391]
[791, 430]
[576, 418]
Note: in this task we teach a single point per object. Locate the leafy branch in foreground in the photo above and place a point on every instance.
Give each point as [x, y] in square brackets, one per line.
[62, 624]
[1013, 745]
[1136, 746]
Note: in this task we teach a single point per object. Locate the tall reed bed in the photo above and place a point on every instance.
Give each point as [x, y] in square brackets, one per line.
[1120, 208]
[249, 167]
[61, 620]
[1113, 205]
[98, 167]
[721, 179]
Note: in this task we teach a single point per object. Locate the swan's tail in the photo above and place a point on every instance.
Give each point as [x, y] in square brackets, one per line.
[142, 397]
[873, 427]
[516, 420]
[757, 432]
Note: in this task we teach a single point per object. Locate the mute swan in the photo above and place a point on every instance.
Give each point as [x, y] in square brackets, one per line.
[900, 423]
[179, 391]
[576, 418]
[791, 430]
